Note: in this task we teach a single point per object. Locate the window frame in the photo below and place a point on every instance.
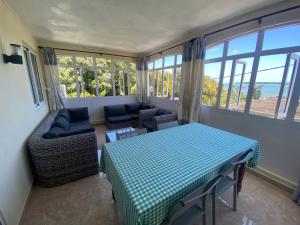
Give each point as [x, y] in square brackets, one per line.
[96, 68]
[38, 100]
[256, 55]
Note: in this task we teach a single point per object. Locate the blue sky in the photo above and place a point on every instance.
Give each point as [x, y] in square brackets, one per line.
[274, 38]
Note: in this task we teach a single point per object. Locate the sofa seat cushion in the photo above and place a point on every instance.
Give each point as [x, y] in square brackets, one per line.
[54, 132]
[115, 110]
[147, 124]
[133, 108]
[119, 119]
[134, 116]
[82, 125]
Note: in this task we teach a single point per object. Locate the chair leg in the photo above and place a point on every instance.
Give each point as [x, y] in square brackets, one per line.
[213, 213]
[205, 211]
[235, 189]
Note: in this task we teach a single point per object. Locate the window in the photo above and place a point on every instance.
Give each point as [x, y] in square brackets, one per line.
[96, 76]
[164, 77]
[255, 73]
[34, 76]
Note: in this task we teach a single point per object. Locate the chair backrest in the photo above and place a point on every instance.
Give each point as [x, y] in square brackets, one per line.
[194, 197]
[162, 126]
[236, 161]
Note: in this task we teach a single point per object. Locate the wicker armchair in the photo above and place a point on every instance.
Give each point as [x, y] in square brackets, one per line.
[150, 118]
[61, 160]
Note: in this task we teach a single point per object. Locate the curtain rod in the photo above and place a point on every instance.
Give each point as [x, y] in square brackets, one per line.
[100, 53]
[259, 18]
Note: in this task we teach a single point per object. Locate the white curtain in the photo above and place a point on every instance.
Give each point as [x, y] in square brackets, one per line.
[54, 95]
[141, 80]
[190, 95]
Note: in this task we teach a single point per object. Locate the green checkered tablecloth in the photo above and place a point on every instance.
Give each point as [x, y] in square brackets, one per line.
[150, 173]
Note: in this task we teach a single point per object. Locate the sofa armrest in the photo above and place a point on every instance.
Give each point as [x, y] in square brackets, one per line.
[146, 114]
[163, 119]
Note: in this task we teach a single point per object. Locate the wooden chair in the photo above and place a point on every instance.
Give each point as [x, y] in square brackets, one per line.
[192, 207]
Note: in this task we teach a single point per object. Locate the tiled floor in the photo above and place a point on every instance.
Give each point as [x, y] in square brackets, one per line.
[88, 202]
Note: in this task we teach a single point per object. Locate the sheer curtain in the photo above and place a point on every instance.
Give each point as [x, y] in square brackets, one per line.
[190, 95]
[141, 80]
[54, 95]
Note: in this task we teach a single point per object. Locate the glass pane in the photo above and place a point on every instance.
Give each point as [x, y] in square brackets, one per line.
[215, 51]
[126, 83]
[120, 65]
[37, 78]
[179, 59]
[67, 80]
[177, 83]
[89, 82]
[151, 83]
[105, 82]
[150, 66]
[65, 60]
[168, 83]
[159, 83]
[84, 61]
[80, 80]
[101, 62]
[132, 66]
[211, 83]
[169, 61]
[119, 83]
[242, 44]
[30, 73]
[158, 63]
[155, 83]
[267, 84]
[132, 81]
[282, 37]
[225, 85]
[287, 90]
[240, 84]
[297, 115]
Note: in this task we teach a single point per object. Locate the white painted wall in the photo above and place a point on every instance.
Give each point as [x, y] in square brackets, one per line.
[18, 118]
[96, 105]
[279, 140]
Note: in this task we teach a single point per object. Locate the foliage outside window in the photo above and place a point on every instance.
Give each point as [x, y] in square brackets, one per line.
[255, 73]
[164, 77]
[96, 76]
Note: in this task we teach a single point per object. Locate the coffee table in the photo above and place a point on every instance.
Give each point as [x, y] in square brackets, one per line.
[122, 133]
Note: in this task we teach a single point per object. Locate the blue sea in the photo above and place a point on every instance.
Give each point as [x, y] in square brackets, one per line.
[267, 89]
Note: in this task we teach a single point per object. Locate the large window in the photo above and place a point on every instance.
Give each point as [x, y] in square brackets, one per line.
[257, 73]
[94, 76]
[34, 76]
[164, 77]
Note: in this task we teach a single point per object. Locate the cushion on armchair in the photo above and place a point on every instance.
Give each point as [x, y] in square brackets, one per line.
[161, 112]
[79, 114]
[118, 119]
[115, 110]
[147, 124]
[144, 106]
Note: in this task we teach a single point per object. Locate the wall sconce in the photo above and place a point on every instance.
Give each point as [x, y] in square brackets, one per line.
[16, 57]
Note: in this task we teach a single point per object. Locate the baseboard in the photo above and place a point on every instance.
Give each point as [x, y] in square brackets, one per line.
[273, 178]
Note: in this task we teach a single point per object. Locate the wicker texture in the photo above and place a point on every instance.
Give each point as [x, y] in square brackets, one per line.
[149, 114]
[61, 160]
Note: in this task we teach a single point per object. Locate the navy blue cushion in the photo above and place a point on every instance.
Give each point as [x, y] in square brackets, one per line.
[61, 122]
[119, 119]
[161, 112]
[147, 124]
[134, 116]
[65, 113]
[54, 132]
[79, 114]
[82, 125]
[115, 110]
[143, 106]
[133, 108]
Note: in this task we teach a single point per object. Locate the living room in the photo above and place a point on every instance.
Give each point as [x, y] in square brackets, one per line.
[103, 100]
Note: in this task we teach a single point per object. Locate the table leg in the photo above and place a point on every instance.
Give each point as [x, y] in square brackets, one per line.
[241, 177]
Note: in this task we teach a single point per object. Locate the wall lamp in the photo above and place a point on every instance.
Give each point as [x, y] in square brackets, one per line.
[16, 57]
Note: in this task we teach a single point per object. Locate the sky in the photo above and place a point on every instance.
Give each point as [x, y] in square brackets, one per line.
[286, 36]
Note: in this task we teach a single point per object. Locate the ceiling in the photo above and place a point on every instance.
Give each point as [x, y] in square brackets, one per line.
[133, 26]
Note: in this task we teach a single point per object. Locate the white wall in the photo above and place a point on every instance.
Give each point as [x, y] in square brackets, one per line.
[18, 118]
[96, 105]
[279, 140]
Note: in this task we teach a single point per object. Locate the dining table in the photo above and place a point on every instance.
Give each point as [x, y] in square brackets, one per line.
[150, 173]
